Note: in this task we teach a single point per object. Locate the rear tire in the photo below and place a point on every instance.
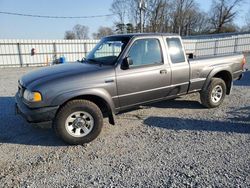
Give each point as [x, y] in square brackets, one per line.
[214, 94]
[78, 122]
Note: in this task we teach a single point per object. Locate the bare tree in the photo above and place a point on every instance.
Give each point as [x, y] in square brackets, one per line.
[81, 31]
[69, 35]
[248, 20]
[201, 25]
[120, 7]
[246, 26]
[126, 11]
[102, 32]
[177, 16]
[195, 22]
[134, 13]
[223, 13]
[156, 15]
[120, 28]
[78, 32]
[130, 28]
[182, 14]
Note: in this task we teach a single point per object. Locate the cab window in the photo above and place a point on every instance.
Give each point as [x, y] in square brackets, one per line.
[145, 52]
[175, 50]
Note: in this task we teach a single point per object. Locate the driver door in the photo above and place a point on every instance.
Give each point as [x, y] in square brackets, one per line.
[148, 78]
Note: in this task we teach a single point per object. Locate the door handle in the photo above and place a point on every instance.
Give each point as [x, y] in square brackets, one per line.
[109, 81]
[164, 71]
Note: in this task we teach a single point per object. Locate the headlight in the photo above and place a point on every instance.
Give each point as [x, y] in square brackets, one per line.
[32, 96]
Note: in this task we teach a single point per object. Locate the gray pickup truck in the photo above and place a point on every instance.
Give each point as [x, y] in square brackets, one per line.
[121, 72]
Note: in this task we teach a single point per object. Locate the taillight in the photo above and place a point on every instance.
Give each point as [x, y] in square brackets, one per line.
[243, 63]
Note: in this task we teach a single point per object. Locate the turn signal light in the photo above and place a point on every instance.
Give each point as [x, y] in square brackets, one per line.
[37, 97]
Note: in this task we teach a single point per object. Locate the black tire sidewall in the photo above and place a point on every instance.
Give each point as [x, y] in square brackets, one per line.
[215, 82]
[74, 106]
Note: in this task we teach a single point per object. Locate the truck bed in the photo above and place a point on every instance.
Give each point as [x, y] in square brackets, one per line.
[202, 67]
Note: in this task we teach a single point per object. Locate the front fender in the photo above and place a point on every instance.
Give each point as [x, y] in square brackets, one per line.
[98, 92]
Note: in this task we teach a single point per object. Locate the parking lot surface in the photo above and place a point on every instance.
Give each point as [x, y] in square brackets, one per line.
[176, 143]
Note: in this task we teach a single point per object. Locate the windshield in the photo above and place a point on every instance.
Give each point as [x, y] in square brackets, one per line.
[107, 50]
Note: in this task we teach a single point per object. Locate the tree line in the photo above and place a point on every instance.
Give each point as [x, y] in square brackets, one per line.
[184, 17]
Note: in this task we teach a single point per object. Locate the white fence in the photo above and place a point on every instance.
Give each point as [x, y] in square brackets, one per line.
[18, 52]
[211, 45]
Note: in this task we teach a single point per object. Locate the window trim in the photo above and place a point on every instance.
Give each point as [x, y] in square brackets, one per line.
[146, 65]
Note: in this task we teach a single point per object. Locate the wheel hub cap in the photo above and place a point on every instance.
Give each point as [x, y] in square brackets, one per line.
[217, 94]
[79, 124]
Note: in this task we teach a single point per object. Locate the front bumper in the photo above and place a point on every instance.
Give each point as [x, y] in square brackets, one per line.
[35, 115]
[240, 77]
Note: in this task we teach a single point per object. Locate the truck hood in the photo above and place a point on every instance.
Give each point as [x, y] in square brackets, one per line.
[58, 71]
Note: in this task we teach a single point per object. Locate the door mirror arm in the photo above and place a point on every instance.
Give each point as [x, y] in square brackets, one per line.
[126, 63]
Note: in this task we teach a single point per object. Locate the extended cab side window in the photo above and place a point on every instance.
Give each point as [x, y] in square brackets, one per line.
[175, 50]
[145, 52]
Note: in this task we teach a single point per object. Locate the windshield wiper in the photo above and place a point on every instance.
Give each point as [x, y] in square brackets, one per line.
[95, 61]
[92, 60]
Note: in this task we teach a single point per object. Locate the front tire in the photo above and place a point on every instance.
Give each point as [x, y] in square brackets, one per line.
[78, 122]
[214, 94]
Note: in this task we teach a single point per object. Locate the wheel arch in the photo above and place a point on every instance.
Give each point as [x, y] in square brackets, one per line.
[101, 98]
[227, 78]
[222, 73]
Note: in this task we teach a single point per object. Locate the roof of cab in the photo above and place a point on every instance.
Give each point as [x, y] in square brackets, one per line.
[131, 35]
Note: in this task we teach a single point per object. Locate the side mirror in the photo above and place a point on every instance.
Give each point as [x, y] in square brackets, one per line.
[127, 62]
[190, 56]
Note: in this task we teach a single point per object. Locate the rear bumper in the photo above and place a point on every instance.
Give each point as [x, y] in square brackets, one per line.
[36, 115]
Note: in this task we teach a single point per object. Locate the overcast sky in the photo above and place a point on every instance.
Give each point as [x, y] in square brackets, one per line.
[38, 28]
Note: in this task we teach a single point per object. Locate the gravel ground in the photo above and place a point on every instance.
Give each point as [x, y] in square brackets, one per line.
[175, 143]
